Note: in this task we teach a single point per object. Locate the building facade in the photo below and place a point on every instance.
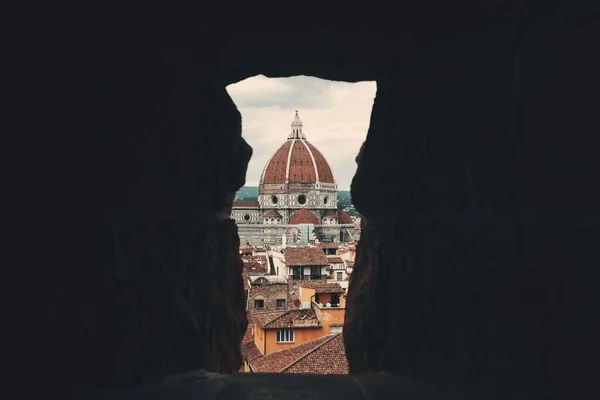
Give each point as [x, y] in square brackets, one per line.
[297, 198]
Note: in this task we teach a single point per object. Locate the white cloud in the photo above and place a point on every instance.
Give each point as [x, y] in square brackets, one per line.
[335, 116]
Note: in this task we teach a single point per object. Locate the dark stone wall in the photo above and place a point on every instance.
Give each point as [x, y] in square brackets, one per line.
[475, 271]
[477, 266]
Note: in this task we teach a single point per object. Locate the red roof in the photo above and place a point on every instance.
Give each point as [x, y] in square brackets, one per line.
[273, 213]
[246, 204]
[276, 167]
[254, 266]
[344, 218]
[303, 216]
[328, 358]
[304, 161]
[306, 318]
[249, 335]
[264, 318]
[324, 355]
[305, 256]
[325, 174]
[335, 259]
[329, 214]
[323, 287]
[250, 351]
[329, 245]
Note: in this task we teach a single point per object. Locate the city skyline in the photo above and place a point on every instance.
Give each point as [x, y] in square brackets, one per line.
[335, 115]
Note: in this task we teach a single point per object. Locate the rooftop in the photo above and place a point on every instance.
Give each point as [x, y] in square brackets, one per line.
[304, 256]
[323, 287]
[263, 319]
[294, 319]
[250, 351]
[324, 355]
[303, 216]
[328, 245]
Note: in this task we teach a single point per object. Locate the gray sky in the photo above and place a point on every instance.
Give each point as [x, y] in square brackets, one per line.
[335, 116]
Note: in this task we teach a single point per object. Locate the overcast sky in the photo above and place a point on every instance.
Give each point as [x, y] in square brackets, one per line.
[335, 116]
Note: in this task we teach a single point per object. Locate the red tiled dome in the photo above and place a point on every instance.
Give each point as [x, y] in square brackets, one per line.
[303, 216]
[302, 169]
[329, 214]
[344, 218]
[272, 213]
[297, 161]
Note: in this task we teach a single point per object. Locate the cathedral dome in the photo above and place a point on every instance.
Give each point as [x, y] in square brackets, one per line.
[303, 216]
[344, 218]
[297, 161]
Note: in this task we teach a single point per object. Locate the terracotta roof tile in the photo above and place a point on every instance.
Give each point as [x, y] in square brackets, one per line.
[246, 204]
[250, 351]
[304, 256]
[275, 170]
[302, 169]
[254, 266]
[323, 287]
[329, 214]
[329, 358]
[335, 259]
[344, 218]
[249, 335]
[273, 213]
[303, 216]
[262, 319]
[329, 245]
[294, 319]
[301, 165]
[325, 174]
[326, 354]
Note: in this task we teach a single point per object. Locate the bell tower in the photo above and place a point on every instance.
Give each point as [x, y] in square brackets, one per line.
[296, 132]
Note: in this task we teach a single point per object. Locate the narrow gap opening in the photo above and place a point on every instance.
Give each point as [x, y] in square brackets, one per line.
[296, 217]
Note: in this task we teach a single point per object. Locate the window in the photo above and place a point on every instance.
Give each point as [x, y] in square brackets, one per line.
[274, 200]
[297, 272]
[335, 299]
[247, 217]
[285, 336]
[315, 272]
[302, 199]
[336, 329]
[259, 303]
[340, 276]
[325, 200]
[280, 303]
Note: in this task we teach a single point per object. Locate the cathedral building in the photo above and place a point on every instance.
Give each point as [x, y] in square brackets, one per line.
[297, 199]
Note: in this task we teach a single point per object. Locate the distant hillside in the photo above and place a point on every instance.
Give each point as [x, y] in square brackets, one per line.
[247, 193]
[250, 193]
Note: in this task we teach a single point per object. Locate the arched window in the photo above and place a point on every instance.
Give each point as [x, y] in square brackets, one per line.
[259, 302]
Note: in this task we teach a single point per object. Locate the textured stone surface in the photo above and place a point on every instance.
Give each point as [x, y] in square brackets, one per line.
[471, 265]
[203, 385]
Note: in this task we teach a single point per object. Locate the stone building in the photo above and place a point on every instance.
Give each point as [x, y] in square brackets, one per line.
[297, 194]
